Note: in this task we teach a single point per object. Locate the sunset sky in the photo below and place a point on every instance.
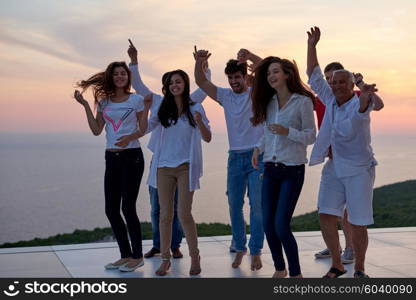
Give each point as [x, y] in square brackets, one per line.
[46, 46]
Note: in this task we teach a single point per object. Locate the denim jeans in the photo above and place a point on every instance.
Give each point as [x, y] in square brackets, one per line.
[177, 232]
[281, 189]
[241, 176]
[123, 174]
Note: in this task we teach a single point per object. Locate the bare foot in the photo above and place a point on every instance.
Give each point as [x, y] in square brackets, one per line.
[195, 265]
[297, 276]
[238, 259]
[256, 262]
[280, 274]
[164, 268]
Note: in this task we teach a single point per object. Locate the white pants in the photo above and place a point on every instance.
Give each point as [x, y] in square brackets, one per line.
[353, 192]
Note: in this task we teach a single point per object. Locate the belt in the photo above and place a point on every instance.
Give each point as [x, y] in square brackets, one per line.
[275, 164]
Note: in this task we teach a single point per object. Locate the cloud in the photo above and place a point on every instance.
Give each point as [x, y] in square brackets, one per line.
[40, 47]
[74, 38]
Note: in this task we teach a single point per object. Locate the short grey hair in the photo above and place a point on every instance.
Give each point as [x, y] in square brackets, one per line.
[350, 75]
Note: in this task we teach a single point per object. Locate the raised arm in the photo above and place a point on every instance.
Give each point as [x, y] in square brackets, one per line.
[316, 79]
[201, 80]
[245, 55]
[96, 123]
[378, 103]
[136, 80]
[199, 95]
[312, 58]
[367, 92]
[349, 127]
[153, 121]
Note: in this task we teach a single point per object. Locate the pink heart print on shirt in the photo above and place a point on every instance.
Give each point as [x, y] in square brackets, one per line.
[117, 125]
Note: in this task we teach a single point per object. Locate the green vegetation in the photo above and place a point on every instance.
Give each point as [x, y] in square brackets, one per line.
[103, 234]
[394, 206]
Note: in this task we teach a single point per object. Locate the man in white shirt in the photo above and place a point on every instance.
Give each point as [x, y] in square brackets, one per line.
[242, 137]
[347, 256]
[348, 176]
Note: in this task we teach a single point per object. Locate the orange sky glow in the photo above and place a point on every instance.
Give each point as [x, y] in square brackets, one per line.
[46, 46]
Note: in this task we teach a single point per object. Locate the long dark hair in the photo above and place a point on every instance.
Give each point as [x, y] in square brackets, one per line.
[102, 83]
[262, 92]
[168, 112]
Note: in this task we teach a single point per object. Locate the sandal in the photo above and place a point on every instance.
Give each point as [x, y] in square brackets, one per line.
[164, 268]
[335, 271]
[195, 267]
[360, 274]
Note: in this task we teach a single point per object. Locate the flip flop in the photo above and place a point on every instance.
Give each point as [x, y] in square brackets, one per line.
[335, 271]
[360, 274]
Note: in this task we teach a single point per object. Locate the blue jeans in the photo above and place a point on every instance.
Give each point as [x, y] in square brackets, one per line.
[281, 189]
[242, 176]
[177, 232]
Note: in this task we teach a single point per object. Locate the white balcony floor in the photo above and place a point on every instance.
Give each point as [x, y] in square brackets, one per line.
[391, 253]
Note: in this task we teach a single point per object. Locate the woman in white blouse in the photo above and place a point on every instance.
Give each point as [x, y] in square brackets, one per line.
[284, 105]
[177, 161]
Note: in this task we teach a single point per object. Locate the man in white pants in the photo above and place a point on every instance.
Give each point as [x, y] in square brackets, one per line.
[348, 176]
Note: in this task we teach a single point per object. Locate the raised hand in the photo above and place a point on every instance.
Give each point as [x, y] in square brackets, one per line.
[132, 52]
[367, 91]
[201, 54]
[243, 55]
[378, 103]
[80, 99]
[313, 36]
[358, 78]
[278, 129]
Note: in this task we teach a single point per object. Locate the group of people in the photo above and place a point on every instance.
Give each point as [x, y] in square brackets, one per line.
[270, 122]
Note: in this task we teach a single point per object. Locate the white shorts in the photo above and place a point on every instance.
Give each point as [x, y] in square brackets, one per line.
[355, 193]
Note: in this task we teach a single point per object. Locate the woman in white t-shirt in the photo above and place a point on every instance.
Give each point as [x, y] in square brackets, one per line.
[180, 125]
[283, 104]
[119, 111]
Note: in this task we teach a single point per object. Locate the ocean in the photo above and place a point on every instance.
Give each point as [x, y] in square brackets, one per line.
[53, 183]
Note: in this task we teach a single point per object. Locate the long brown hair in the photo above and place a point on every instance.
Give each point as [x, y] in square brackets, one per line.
[102, 83]
[168, 112]
[262, 92]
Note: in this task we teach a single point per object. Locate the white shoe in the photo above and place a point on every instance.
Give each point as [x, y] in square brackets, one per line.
[111, 266]
[348, 256]
[324, 253]
[125, 268]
